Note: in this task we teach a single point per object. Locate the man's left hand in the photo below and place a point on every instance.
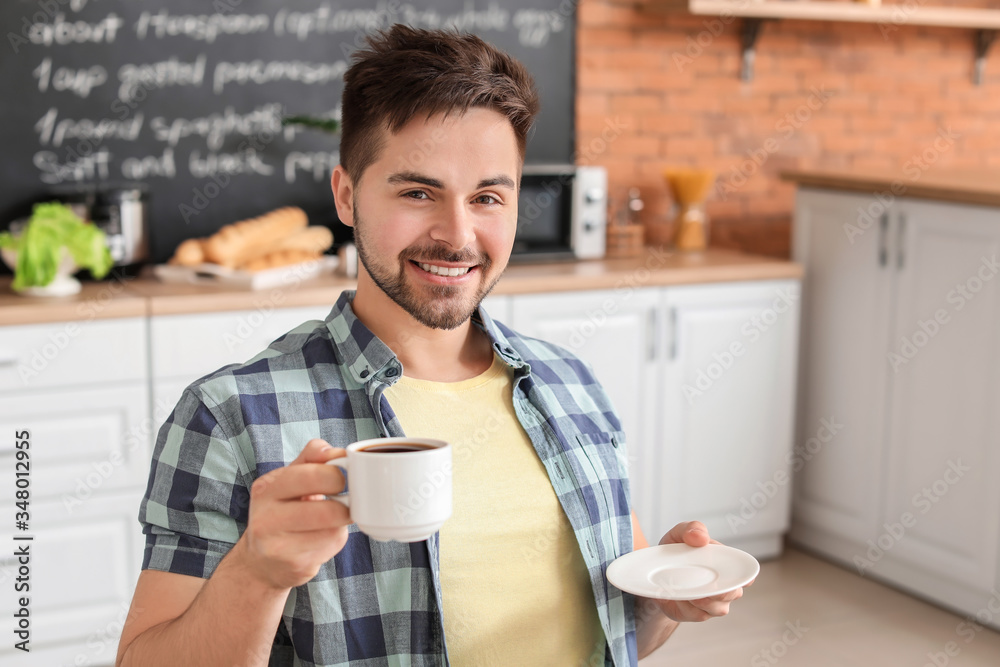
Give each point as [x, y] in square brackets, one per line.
[695, 534]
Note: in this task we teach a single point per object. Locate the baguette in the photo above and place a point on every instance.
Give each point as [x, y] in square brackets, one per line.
[314, 239]
[280, 258]
[231, 245]
[189, 253]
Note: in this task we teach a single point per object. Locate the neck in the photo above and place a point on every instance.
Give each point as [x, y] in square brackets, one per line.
[438, 355]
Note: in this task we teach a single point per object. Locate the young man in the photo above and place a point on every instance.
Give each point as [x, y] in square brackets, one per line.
[247, 563]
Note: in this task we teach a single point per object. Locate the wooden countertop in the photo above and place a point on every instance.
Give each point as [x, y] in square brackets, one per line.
[655, 268]
[96, 300]
[965, 186]
[148, 296]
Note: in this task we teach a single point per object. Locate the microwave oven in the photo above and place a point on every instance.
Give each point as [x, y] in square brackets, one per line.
[561, 213]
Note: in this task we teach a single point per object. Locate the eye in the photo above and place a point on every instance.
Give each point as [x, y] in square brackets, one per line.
[487, 199]
[415, 194]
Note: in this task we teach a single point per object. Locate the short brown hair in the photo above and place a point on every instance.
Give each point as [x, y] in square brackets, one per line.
[409, 71]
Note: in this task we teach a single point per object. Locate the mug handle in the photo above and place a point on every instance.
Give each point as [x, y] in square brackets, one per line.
[343, 497]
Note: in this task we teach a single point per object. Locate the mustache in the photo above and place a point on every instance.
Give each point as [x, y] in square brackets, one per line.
[443, 254]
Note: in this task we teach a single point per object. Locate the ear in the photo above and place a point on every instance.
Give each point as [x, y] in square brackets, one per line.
[343, 195]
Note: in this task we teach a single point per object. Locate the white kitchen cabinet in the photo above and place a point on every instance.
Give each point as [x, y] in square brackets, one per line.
[906, 492]
[698, 446]
[87, 409]
[726, 410]
[614, 331]
[83, 443]
[81, 391]
[845, 332]
[943, 421]
[66, 354]
[84, 564]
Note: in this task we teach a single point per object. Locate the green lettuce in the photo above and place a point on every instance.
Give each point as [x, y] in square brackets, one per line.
[52, 227]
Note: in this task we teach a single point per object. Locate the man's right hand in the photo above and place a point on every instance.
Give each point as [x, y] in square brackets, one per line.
[292, 530]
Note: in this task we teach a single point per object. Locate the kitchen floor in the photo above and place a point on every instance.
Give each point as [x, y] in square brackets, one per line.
[803, 611]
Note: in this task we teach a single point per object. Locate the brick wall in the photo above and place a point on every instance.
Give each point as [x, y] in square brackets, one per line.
[658, 88]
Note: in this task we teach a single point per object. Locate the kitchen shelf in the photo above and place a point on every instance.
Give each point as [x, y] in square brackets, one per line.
[985, 22]
[896, 14]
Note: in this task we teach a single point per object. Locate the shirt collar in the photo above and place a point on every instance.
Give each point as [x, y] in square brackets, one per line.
[501, 345]
[360, 351]
[366, 357]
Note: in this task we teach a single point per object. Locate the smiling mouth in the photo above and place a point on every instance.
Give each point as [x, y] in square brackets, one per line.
[449, 271]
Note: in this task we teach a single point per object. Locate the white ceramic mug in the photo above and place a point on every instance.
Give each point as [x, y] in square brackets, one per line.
[397, 488]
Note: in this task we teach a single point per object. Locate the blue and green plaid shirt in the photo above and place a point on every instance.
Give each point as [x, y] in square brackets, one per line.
[374, 603]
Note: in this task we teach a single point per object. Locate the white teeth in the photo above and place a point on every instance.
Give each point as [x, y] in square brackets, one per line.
[444, 271]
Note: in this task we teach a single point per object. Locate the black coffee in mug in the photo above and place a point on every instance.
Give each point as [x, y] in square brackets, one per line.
[395, 448]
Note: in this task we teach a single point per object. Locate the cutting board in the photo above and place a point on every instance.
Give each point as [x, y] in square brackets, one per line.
[213, 274]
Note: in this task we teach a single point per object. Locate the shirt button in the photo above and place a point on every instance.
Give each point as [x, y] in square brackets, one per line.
[392, 372]
[364, 373]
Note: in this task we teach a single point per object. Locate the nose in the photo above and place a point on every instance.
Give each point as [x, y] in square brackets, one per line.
[455, 227]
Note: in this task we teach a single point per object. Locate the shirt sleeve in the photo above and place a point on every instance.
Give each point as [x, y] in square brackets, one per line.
[197, 497]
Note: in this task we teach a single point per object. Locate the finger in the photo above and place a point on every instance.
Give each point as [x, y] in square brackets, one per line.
[692, 533]
[683, 612]
[726, 597]
[316, 450]
[297, 516]
[718, 605]
[303, 479]
[307, 544]
[714, 609]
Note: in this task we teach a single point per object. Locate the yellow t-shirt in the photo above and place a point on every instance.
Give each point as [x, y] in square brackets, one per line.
[515, 587]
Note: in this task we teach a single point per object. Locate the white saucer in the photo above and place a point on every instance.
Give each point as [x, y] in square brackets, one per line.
[682, 572]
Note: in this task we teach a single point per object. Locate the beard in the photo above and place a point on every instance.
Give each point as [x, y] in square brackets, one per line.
[434, 306]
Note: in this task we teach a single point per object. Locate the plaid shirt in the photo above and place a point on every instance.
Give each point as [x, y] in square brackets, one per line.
[374, 603]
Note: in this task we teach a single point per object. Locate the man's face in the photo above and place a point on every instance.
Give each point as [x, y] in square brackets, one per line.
[434, 217]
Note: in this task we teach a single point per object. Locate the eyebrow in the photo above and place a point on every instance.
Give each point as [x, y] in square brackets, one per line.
[414, 177]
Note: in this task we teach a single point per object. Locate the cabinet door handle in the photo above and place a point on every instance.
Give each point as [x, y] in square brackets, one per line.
[652, 330]
[883, 233]
[673, 333]
[901, 241]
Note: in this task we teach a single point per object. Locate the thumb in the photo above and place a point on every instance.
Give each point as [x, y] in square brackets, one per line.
[692, 533]
[696, 534]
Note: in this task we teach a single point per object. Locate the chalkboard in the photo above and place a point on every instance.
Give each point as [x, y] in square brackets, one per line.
[187, 96]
